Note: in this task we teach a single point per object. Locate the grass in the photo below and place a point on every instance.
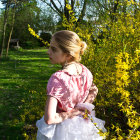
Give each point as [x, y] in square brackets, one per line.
[21, 72]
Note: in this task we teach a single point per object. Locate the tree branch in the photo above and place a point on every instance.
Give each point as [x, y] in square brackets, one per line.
[56, 7]
[72, 4]
[61, 5]
[51, 7]
[82, 11]
[100, 4]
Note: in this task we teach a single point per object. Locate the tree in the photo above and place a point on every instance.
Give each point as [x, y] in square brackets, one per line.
[47, 20]
[60, 7]
[20, 14]
[27, 13]
[12, 26]
[8, 2]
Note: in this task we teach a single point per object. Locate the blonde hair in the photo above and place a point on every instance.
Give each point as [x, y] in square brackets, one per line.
[69, 42]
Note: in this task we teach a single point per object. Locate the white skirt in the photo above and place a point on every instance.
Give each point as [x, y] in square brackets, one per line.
[76, 128]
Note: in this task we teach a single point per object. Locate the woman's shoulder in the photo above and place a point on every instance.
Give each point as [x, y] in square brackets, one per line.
[58, 76]
[55, 80]
[64, 76]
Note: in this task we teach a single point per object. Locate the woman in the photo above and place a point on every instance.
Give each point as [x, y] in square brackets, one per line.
[69, 92]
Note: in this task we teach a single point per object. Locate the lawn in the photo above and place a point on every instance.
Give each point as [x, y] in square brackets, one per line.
[23, 72]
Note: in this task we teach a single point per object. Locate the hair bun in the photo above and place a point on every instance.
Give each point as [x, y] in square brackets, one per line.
[83, 47]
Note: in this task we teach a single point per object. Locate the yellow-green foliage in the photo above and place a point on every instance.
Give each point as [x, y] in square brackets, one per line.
[32, 32]
[124, 67]
[115, 64]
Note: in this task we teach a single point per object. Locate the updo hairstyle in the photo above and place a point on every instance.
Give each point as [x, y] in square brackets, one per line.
[69, 42]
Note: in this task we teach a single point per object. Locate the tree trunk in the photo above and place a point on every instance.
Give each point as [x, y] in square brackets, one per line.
[124, 7]
[135, 9]
[114, 19]
[66, 11]
[83, 11]
[13, 21]
[4, 27]
[72, 4]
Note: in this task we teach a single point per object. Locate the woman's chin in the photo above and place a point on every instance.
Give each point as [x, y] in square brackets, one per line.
[53, 62]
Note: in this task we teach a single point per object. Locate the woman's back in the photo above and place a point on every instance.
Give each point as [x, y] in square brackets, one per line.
[70, 89]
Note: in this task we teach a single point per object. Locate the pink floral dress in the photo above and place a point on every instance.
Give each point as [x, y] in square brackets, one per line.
[70, 91]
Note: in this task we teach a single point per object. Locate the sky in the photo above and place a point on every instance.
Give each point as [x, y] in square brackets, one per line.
[1, 6]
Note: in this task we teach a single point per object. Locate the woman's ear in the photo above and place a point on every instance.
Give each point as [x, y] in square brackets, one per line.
[67, 56]
[70, 57]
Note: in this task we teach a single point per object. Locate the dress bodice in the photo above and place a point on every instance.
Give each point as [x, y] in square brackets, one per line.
[69, 89]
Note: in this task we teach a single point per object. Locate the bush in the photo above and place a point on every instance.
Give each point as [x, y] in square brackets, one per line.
[114, 62]
[46, 37]
[30, 44]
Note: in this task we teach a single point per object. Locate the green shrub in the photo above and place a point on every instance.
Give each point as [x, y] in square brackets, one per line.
[30, 44]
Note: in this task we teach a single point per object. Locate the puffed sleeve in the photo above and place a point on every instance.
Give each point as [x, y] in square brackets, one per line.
[94, 89]
[55, 88]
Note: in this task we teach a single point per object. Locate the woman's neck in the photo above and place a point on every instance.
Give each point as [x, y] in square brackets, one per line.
[68, 64]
